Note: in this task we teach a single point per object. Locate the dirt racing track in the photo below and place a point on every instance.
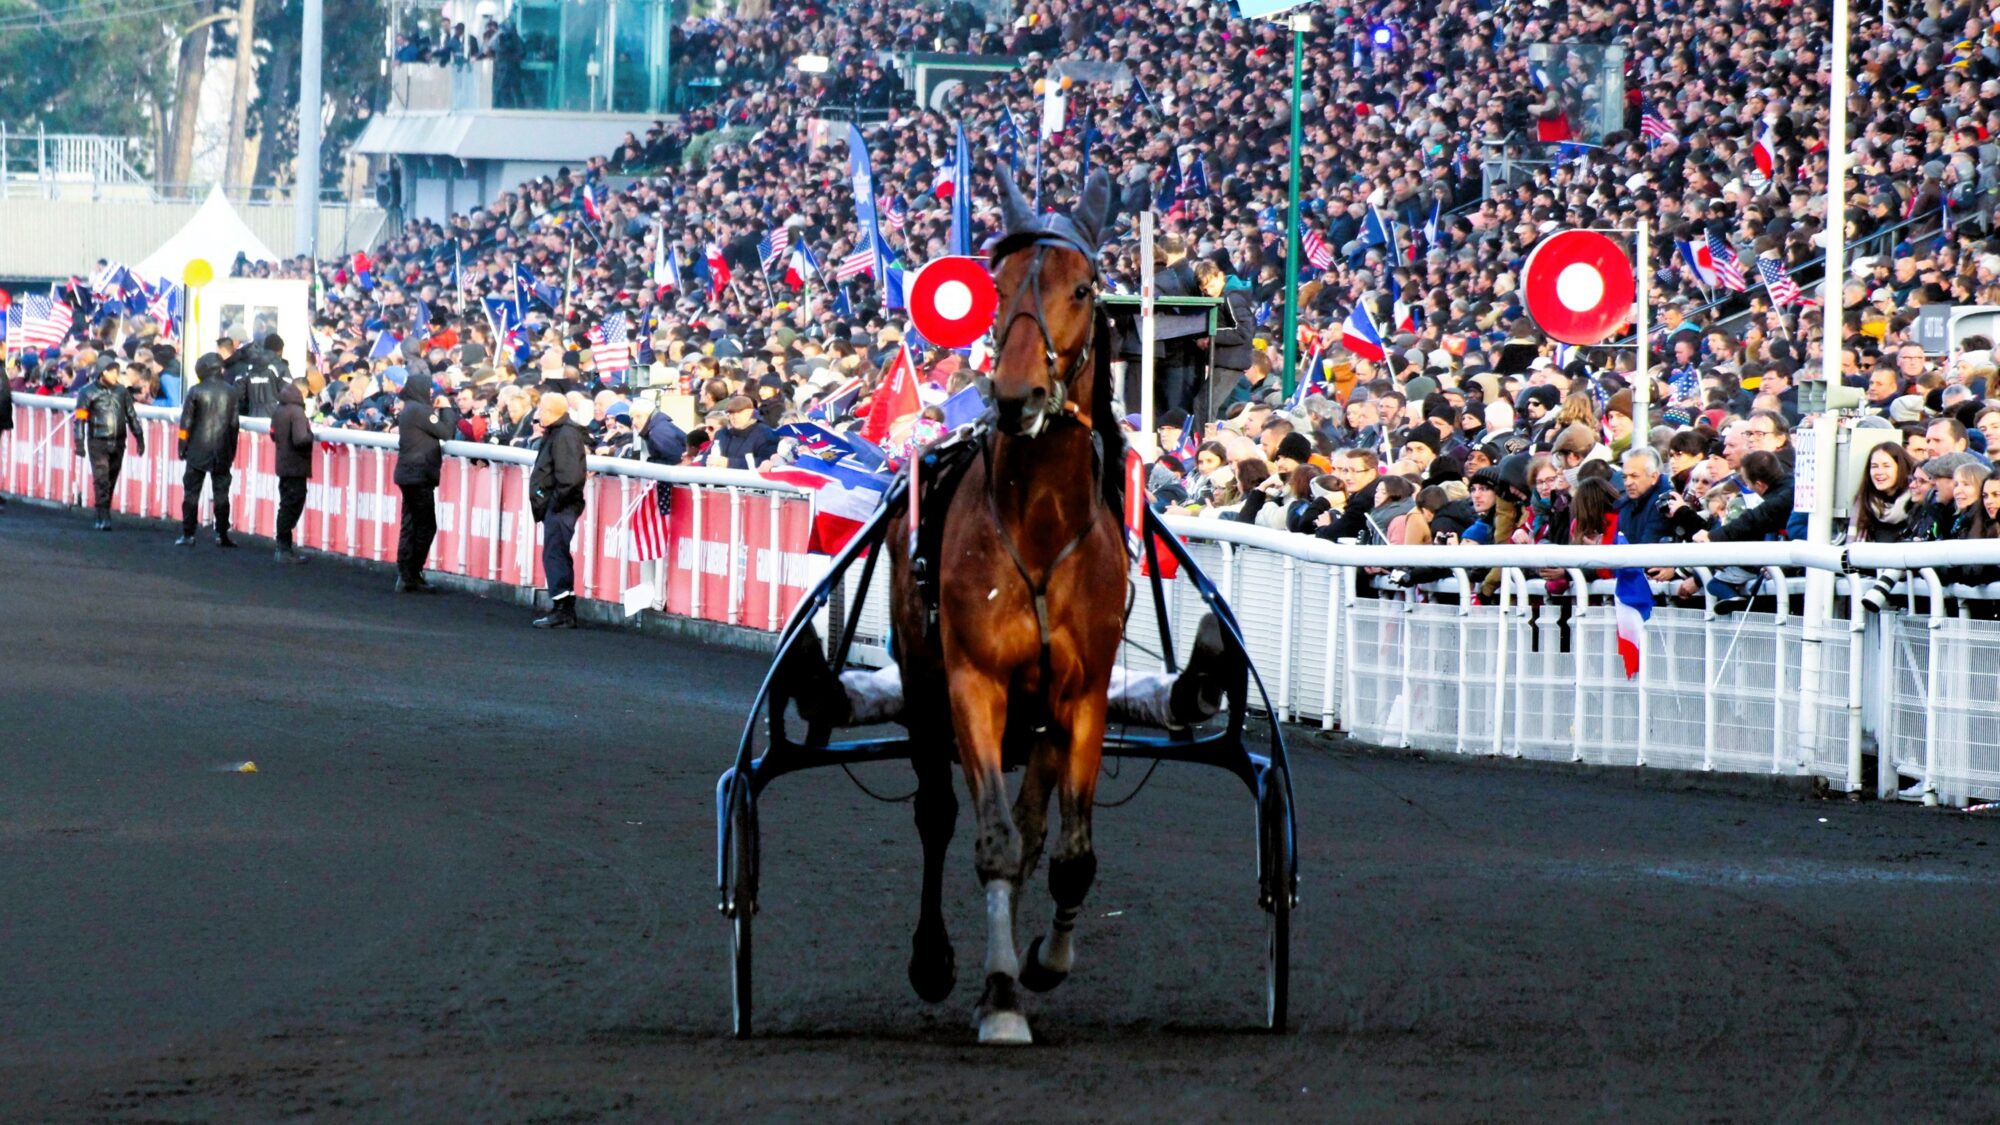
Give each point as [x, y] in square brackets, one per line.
[472, 879]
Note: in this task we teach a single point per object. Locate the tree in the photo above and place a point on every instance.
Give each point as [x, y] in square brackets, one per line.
[350, 83]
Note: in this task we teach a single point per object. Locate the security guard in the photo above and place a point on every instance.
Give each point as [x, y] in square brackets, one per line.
[104, 412]
[208, 436]
[556, 497]
[423, 424]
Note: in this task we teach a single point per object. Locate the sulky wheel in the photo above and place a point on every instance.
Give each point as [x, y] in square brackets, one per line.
[1274, 830]
[741, 882]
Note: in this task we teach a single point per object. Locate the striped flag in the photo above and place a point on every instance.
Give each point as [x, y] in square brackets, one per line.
[1316, 250]
[45, 322]
[1654, 127]
[1728, 267]
[649, 525]
[775, 246]
[1784, 291]
[1764, 152]
[1634, 608]
[894, 211]
[610, 344]
[857, 264]
[718, 270]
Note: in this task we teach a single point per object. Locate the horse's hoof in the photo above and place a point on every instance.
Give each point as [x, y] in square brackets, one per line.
[1035, 976]
[1004, 1029]
[933, 972]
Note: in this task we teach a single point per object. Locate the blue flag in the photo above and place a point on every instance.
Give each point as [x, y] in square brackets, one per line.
[961, 197]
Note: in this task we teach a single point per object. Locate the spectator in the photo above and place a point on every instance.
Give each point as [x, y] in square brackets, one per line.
[746, 443]
[424, 422]
[208, 436]
[556, 499]
[1643, 516]
[292, 437]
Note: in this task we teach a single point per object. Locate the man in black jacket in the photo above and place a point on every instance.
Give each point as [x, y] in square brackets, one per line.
[1356, 469]
[556, 497]
[423, 425]
[747, 442]
[105, 412]
[6, 413]
[256, 377]
[208, 435]
[292, 434]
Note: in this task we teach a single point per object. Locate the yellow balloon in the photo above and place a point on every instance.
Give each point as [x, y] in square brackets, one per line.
[198, 273]
[1041, 87]
[1067, 81]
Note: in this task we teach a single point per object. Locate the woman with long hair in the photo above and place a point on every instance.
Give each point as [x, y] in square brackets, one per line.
[1881, 512]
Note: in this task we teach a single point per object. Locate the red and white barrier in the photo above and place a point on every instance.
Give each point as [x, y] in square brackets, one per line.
[737, 543]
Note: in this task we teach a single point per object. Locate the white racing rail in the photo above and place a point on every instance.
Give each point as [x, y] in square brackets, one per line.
[738, 541]
[1517, 675]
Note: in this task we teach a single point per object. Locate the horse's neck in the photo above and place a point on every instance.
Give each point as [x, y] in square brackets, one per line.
[1049, 483]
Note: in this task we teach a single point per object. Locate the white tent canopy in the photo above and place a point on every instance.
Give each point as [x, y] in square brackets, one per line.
[216, 232]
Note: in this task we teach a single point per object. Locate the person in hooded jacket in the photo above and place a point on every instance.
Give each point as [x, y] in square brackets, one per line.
[105, 413]
[256, 379]
[425, 422]
[6, 415]
[292, 434]
[208, 434]
[556, 498]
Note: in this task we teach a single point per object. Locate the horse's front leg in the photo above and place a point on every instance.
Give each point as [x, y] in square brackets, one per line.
[979, 712]
[1074, 866]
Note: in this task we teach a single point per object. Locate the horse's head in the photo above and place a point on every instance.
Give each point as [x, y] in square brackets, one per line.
[1045, 268]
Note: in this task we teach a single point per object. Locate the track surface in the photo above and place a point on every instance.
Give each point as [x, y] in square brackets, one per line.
[471, 880]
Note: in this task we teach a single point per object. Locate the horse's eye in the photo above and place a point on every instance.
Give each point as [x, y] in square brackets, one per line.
[1083, 291]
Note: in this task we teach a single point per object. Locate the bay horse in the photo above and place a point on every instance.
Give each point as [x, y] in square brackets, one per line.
[1030, 598]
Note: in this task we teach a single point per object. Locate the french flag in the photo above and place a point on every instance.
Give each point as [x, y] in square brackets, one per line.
[1361, 337]
[1701, 261]
[843, 498]
[1765, 150]
[800, 267]
[718, 270]
[588, 203]
[1635, 607]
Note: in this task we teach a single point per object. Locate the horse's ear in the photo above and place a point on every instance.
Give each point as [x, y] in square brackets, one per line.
[1093, 211]
[1016, 211]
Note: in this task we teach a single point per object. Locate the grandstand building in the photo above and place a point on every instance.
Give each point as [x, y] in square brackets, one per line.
[483, 98]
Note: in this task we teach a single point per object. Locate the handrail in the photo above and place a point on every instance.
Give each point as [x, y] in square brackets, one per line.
[480, 451]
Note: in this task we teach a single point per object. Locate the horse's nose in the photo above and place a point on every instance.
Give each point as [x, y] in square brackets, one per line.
[1022, 413]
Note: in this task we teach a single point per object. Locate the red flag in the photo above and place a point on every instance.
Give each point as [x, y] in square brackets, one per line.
[895, 399]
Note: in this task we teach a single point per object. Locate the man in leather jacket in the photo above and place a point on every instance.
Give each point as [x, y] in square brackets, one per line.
[105, 413]
[208, 435]
[6, 413]
[292, 434]
[423, 425]
[556, 498]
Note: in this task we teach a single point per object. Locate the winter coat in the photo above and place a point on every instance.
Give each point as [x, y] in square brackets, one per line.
[209, 427]
[1645, 520]
[108, 415]
[1765, 521]
[292, 434]
[421, 431]
[747, 448]
[561, 467]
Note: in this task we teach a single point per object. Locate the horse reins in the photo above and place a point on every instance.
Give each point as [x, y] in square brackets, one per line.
[1061, 405]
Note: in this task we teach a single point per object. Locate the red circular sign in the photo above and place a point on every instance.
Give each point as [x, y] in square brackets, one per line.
[1578, 286]
[952, 301]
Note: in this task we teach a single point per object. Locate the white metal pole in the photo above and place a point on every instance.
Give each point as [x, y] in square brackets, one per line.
[305, 207]
[1642, 385]
[1819, 527]
[1147, 330]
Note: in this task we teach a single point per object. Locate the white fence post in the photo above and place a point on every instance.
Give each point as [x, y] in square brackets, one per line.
[1330, 704]
[1287, 609]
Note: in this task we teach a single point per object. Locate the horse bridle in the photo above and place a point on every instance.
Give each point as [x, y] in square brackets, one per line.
[1058, 402]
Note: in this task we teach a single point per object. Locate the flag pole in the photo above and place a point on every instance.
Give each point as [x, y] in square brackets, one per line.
[1148, 330]
[1300, 21]
[1642, 386]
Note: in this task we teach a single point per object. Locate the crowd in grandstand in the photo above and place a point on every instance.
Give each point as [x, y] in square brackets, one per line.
[716, 257]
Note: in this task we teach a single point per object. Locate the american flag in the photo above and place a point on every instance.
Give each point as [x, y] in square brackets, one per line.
[857, 264]
[610, 343]
[893, 210]
[1316, 250]
[1654, 127]
[775, 246]
[1728, 268]
[45, 322]
[1784, 291]
[649, 525]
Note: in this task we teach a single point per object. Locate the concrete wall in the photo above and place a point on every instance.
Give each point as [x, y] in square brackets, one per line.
[51, 238]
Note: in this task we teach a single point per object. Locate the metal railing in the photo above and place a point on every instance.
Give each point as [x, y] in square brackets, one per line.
[35, 162]
[1529, 675]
